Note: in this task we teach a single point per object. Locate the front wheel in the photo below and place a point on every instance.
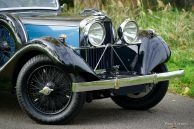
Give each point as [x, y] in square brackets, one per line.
[44, 92]
[145, 100]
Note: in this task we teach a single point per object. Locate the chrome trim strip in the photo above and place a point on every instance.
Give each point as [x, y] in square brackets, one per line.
[125, 82]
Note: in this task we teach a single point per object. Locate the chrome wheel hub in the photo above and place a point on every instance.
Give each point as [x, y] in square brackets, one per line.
[46, 90]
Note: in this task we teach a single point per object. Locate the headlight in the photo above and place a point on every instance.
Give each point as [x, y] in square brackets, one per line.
[92, 32]
[128, 31]
[96, 34]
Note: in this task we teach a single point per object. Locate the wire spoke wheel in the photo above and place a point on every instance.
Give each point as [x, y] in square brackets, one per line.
[49, 89]
[44, 92]
[7, 45]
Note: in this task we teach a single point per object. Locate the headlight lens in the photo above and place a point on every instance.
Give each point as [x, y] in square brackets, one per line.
[96, 34]
[129, 31]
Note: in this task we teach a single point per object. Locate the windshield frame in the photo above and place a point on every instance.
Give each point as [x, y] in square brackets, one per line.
[33, 8]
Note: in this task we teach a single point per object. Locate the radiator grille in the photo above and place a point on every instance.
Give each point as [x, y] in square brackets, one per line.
[92, 56]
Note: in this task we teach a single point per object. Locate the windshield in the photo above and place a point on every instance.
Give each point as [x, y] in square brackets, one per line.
[28, 4]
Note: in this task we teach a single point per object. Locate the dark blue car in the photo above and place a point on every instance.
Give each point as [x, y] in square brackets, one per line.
[56, 64]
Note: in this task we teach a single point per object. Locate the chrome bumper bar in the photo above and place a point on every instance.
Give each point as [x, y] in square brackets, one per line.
[125, 82]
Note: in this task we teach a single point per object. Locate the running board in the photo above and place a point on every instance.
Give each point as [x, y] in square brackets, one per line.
[125, 82]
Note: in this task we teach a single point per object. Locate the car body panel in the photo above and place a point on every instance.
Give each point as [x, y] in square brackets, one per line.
[37, 27]
[61, 55]
[37, 31]
[154, 52]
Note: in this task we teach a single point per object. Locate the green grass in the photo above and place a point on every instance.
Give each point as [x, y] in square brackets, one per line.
[177, 29]
[183, 59]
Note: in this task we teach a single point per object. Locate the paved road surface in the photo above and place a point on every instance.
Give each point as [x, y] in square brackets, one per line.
[174, 112]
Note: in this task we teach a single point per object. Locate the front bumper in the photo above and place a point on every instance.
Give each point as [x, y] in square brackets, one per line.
[125, 82]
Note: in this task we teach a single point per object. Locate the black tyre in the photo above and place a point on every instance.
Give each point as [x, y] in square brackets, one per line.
[145, 100]
[44, 92]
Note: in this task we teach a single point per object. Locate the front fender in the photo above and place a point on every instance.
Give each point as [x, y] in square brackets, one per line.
[59, 53]
[63, 55]
[153, 51]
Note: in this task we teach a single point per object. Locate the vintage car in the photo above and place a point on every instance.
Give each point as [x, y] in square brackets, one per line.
[54, 64]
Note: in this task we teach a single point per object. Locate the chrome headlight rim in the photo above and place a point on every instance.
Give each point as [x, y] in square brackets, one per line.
[122, 28]
[104, 34]
[87, 29]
